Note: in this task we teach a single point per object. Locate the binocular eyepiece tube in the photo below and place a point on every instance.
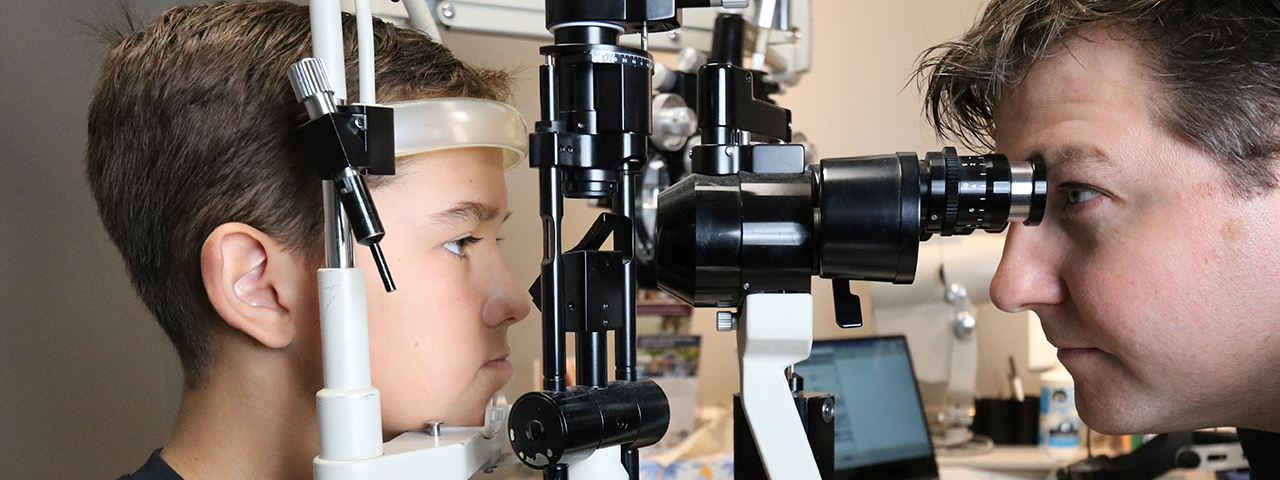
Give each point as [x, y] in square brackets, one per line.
[966, 193]
[722, 237]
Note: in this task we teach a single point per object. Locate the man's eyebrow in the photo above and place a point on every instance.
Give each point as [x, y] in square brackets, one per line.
[467, 212]
[1075, 154]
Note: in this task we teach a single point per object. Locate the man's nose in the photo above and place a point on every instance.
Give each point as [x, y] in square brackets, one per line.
[1027, 275]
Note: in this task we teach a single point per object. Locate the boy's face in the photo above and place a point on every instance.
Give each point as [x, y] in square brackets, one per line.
[1159, 286]
[439, 342]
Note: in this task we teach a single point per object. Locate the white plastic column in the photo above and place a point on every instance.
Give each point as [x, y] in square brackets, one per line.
[421, 18]
[604, 464]
[766, 9]
[364, 48]
[326, 37]
[350, 409]
[775, 330]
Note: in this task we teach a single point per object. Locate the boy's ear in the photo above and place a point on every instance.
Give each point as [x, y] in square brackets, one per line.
[254, 282]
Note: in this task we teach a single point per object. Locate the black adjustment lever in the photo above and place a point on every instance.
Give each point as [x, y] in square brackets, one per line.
[344, 137]
[848, 305]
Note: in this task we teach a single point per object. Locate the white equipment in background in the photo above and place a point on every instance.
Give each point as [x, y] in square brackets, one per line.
[789, 41]
[936, 315]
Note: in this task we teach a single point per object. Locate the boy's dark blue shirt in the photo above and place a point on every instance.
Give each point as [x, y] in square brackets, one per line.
[155, 469]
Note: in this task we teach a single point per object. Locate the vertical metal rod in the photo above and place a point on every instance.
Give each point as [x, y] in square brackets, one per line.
[547, 83]
[593, 359]
[338, 240]
[556, 472]
[631, 462]
[553, 339]
[624, 340]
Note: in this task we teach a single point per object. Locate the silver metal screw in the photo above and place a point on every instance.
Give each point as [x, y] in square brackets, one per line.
[433, 428]
[829, 410]
[446, 10]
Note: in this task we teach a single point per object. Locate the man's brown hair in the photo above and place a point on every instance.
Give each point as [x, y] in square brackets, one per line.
[193, 124]
[1217, 63]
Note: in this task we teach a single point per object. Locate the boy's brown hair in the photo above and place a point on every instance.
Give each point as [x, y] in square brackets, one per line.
[193, 124]
[1216, 63]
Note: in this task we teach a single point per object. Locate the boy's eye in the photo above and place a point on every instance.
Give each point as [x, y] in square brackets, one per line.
[459, 246]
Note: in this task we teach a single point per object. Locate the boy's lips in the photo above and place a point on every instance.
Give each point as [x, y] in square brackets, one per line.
[500, 358]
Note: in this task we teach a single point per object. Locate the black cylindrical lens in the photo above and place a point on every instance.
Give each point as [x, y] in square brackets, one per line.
[549, 428]
[960, 194]
[870, 217]
[722, 237]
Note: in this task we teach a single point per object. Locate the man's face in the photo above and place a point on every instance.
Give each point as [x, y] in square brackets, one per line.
[1159, 286]
[439, 342]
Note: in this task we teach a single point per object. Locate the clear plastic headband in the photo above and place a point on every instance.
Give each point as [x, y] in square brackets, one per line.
[442, 123]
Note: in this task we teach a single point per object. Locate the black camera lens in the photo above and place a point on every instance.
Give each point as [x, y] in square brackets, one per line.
[960, 194]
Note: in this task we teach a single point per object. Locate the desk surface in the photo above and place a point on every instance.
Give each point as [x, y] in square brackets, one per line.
[1014, 458]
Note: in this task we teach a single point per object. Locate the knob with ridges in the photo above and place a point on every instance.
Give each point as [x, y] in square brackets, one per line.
[726, 321]
[311, 86]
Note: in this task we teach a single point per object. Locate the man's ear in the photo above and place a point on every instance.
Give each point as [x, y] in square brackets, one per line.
[253, 282]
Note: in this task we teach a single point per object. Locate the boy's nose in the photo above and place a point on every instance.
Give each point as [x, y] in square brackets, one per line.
[1027, 275]
[510, 302]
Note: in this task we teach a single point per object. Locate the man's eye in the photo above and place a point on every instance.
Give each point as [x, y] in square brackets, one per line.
[459, 246]
[1077, 193]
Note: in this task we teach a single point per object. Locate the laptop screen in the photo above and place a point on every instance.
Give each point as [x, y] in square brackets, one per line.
[879, 417]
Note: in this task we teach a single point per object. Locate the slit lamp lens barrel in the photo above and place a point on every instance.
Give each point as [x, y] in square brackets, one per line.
[722, 237]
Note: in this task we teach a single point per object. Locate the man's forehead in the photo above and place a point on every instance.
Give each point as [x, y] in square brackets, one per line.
[1098, 65]
[1076, 101]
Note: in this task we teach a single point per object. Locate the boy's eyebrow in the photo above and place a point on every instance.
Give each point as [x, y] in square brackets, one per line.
[467, 212]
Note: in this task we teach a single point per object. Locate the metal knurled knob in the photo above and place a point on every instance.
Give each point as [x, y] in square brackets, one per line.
[726, 322]
[309, 78]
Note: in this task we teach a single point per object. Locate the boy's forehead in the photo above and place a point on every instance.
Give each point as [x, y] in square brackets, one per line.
[449, 167]
[447, 186]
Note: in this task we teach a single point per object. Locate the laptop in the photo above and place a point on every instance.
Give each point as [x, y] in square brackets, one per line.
[880, 430]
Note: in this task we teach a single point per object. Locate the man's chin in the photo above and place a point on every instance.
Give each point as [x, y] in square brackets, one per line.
[1112, 409]
[1104, 420]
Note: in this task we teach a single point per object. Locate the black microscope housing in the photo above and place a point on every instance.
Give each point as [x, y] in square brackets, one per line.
[751, 218]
